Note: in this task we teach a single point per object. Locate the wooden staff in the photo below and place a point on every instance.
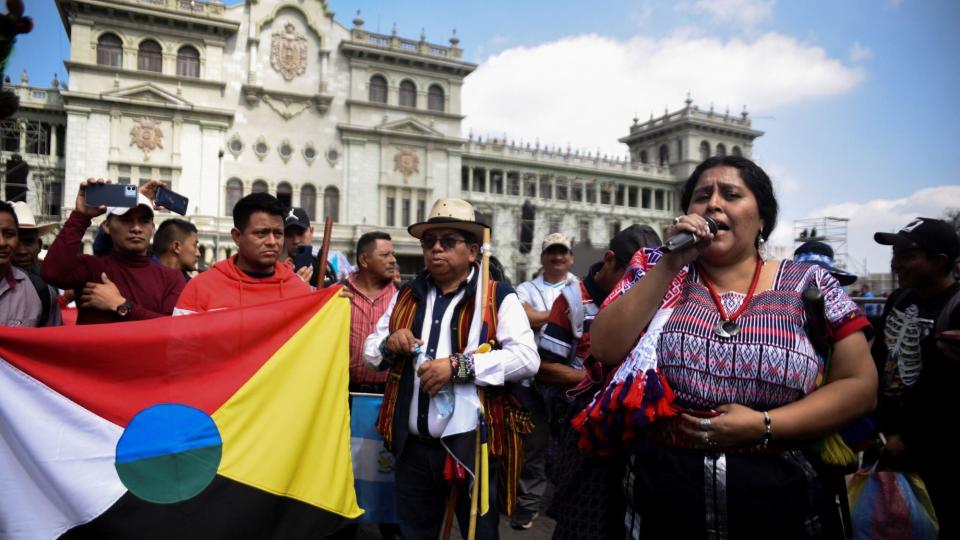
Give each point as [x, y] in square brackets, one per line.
[324, 250]
[478, 452]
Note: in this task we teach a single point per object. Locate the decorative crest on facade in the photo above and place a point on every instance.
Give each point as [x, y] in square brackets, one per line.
[407, 162]
[146, 135]
[288, 52]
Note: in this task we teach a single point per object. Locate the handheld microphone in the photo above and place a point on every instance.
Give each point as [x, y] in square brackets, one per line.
[686, 239]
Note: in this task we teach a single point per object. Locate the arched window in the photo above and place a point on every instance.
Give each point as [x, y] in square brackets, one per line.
[234, 194]
[109, 51]
[408, 94]
[643, 157]
[188, 62]
[704, 150]
[378, 89]
[736, 151]
[285, 194]
[435, 98]
[259, 187]
[308, 200]
[721, 150]
[331, 203]
[664, 155]
[150, 56]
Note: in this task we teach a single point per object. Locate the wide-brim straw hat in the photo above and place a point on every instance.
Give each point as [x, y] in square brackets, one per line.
[450, 214]
[26, 220]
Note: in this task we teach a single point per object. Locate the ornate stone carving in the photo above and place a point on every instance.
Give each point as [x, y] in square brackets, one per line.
[288, 52]
[146, 135]
[407, 162]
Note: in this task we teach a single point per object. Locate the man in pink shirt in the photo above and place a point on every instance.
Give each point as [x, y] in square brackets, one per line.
[372, 286]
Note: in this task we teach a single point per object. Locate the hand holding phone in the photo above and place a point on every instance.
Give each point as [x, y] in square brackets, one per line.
[116, 195]
[303, 258]
[172, 201]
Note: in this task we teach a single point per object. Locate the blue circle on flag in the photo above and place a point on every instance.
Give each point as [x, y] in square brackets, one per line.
[169, 453]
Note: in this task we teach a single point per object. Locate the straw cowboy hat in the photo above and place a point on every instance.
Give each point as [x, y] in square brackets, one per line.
[450, 214]
[26, 220]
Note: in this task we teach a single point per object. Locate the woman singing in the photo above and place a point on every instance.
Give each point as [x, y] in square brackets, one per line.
[721, 390]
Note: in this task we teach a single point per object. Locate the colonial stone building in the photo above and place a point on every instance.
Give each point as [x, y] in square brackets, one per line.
[279, 96]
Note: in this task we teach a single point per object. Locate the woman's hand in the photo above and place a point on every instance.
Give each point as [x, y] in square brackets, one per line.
[735, 425]
[691, 223]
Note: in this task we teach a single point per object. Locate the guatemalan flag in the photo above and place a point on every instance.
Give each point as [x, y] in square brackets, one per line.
[227, 424]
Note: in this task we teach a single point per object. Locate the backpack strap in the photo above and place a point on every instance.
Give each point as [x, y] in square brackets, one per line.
[943, 320]
[43, 291]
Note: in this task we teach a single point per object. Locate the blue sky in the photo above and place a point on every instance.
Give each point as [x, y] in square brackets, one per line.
[858, 98]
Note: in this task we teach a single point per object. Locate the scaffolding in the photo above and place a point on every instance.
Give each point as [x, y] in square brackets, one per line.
[831, 230]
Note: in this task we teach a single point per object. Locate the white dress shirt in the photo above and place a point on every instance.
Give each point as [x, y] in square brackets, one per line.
[516, 360]
[540, 295]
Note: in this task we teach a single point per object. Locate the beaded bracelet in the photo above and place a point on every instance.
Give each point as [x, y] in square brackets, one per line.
[768, 433]
[463, 368]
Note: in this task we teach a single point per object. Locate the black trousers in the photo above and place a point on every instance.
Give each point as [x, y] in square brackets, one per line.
[422, 494]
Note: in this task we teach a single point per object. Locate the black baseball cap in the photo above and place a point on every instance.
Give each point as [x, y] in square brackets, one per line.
[934, 236]
[297, 217]
[821, 254]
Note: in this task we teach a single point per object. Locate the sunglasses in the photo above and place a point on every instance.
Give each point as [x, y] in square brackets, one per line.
[446, 242]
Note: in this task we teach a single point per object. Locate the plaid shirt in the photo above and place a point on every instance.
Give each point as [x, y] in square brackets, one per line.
[364, 314]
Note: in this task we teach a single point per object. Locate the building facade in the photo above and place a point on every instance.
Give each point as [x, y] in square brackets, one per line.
[366, 128]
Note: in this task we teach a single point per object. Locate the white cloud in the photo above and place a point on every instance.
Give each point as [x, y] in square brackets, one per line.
[584, 90]
[748, 13]
[877, 215]
[859, 53]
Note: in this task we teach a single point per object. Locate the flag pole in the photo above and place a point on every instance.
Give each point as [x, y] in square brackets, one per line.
[324, 250]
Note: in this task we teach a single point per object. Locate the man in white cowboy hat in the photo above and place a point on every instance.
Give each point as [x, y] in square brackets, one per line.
[25, 300]
[429, 338]
[27, 256]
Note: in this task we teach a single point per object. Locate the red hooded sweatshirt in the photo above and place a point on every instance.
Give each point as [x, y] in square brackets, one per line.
[227, 286]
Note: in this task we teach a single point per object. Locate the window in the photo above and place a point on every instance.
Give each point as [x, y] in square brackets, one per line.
[61, 140]
[285, 150]
[606, 194]
[378, 89]
[435, 98]
[621, 194]
[496, 182]
[664, 155]
[513, 184]
[480, 180]
[561, 189]
[188, 62]
[546, 190]
[464, 178]
[736, 151]
[632, 196]
[310, 153]
[704, 150]
[308, 200]
[40, 143]
[554, 224]
[52, 197]
[331, 203]
[421, 211]
[285, 194]
[11, 135]
[391, 202]
[234, 194]
[584, 231]
[576, 192]
[408, 94]
[645, 198]
[643, 157]
[236, 146]
[405, 212]
[721, 150]
[259, 187]
[150, 56]
[658, 199]
[530, 187]
[110, 51]
[123, 174]
[591, 193]
[614, 228]
[486, 218]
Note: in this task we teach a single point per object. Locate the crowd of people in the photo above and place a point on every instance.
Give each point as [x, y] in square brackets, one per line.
[666, 393]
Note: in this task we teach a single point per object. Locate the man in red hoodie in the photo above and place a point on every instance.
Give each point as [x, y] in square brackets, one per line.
[123, 285]
[254, 275]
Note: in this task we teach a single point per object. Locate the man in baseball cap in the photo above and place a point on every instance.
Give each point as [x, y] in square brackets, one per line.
[918, 368]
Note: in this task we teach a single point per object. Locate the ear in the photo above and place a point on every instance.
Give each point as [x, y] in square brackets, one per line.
[362, 260]
[235, 234]
[176, 247]
[474, 252]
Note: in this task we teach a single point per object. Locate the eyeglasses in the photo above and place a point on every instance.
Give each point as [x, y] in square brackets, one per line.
[446, 242]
